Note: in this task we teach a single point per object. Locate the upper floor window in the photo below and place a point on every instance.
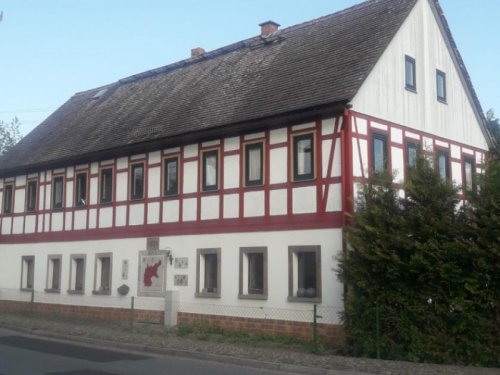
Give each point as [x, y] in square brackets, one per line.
[412, 153]
[8, 196]
[254, 164]
[58, 192]
[171, 176]
[106, 190]
[469, 174]
[137, 181]
[81, 190]
[410, 73]
[303, 157]
[379, 154]
[441, 86]
[31, 196]
[443, 164]
[210, 170]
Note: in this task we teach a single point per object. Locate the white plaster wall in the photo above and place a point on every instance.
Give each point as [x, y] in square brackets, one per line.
[278, 202]
[154, 182]
[278, 165]
[17, 228]
[304, 200]
[190, 177]
[254, 204]
[170, 211]
[57, 221]
[189, 209]
[231, 206]
[105, 217]
[121, 186]
[69, 194]
[154, 213]
[210, 207]
[136, 214]
[383, 93]
[80, 219]
[19, 200]
[398, 167]
[30, 224]
[232, 176]
[121, 216]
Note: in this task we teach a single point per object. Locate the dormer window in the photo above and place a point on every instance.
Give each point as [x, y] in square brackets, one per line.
[410, 74]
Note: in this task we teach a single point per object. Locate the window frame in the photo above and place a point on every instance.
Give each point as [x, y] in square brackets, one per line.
[134, 195]
[73, 273]
[296, 138]
[98, 274]
[55, 180]
[446, 153]
[27, 272]
[469, 160]
[418, 149]
[293, 270]
[205, 154]
[411, 85]
[441, 75]
[30, 183]
[248, 147]
[78, 196]
[166, 161]
[385, 139]
[10, 187]
[244, 289]
[102, 171]
[200, 284]
[49, 286]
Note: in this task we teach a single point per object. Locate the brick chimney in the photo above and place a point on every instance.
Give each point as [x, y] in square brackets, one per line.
[268, 27]
[195, 52]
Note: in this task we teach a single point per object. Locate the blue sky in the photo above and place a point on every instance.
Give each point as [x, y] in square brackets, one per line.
[50, 49]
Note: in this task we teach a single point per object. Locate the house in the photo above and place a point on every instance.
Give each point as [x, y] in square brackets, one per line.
[217, 187]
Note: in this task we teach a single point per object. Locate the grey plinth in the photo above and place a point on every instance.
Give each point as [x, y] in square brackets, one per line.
[171, 307]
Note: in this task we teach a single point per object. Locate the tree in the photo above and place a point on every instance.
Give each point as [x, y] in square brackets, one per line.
[9, 134]
[493, 123]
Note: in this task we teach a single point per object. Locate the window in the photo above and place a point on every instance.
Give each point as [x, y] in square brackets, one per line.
[77, 274]
[57, 192]
[106, 190]
[253, 273]
[81, 190]
[171, 176]
[410, 74]
[303, 157]
[441, 86]
[27, 272]
[412, 154]
[304, 273]
[379, 154]
[469, 174]
[7, 198]
[31, 196]
[137, 181]
[443, 164]
[102, 283]
[53, 273]
[210, 170]
[254, 164]
[208, 279]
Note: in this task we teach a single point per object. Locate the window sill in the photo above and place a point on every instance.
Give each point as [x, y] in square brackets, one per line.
[253, 296]
[442, 101]
[26, 289]
[101, 292]
[304, 299]
[55, 291]
[207, 295]
[411, 89]
[170, 196]
[106, 203]
[210, 192]
[136, 200]
[76, 292]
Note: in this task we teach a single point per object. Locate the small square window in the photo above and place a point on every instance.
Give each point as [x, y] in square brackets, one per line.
[469, 177]
[31, 196]
[57, 192]
[210, 170]
[77, 274]
[303, 157]
[253, 273]
[53, 274]
[106, 189]
[254, 175]
[443, 164]
[27, 272]
[412, 154]
[102, 283]
[81, 190]
[410, 74]
[304, 273]
[8, 195]
[379, 154]
[441, 86]
[208, 277]
[137, 181]
[171, 176]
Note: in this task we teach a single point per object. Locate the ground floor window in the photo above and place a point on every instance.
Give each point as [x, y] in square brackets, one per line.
[304, 273]
[27, 272]
[53, 273]
[253, 273]
[102, 284]
[77, 274]
[208, 277]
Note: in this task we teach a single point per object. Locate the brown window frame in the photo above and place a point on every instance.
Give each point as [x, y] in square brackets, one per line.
[81, 200]
[55, 181]
[446, 153]
[205, 154]
[8, 199]
[103, 177]
[166, 161]
[31, 202]
[469, 160]
[137, 186]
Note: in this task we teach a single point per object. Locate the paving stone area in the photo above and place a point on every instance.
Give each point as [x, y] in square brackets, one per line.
[148, 339]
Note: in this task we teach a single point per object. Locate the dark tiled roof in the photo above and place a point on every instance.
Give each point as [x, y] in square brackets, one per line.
[314, 64]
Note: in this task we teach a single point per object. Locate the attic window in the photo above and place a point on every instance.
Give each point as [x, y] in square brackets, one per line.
[99, 94]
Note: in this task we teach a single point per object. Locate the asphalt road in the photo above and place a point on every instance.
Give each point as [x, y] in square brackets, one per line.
[28, 355]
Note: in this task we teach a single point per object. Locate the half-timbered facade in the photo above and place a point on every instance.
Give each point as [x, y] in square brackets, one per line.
[222, 182]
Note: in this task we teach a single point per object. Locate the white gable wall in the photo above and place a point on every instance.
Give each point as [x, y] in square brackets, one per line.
[383, 93]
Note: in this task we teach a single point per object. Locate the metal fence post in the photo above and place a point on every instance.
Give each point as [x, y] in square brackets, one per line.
[32, 301]
[377, 322]
[315, 327]
[132, 314]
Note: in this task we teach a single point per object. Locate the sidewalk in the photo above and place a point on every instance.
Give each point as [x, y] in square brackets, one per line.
[154, 339]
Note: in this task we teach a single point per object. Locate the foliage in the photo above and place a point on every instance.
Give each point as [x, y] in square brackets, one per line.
[418, 261]
[9, 134]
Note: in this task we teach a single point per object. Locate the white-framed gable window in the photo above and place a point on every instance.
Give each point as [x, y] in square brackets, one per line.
[53, 274]
[102, 275]
[410, 73]
[304, 273]
[27, 272]
[441, 86]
